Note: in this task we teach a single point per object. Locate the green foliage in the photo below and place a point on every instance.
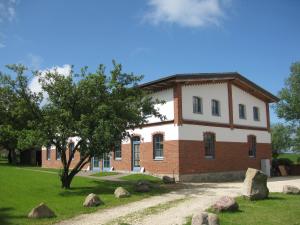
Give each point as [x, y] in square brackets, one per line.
[23, 189]
[288, 108]
[281, 137]
[293, 158]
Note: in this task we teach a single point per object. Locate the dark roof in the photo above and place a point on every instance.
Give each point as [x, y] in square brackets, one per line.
[210, 76]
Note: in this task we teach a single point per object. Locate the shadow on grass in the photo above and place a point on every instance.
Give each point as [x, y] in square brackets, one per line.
[6, 216]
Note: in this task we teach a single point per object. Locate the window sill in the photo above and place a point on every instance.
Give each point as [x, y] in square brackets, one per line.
[198, 113]
[252, 157]
[58, 159]
[118, 159]
[216, 115]
[158, 158]
[209, 157]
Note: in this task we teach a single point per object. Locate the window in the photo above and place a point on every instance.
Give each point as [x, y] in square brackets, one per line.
[197, 105]
[255, 113]
[71, 149]
[252, 145]
[118, 152]
[58, 155]
[48, 152]
[158, 146]
[242, 111]
[209, 145]
[215, 107]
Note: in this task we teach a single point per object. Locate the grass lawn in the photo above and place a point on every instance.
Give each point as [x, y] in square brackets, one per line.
[23, 189]
[279, 209]
[104, 174]
[295, 158]
[136, 177]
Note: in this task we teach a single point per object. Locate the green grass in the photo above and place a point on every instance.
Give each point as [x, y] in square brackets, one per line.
[137, 177]
[279, 209]
[104, 174]
[295, 158]
[23, 189]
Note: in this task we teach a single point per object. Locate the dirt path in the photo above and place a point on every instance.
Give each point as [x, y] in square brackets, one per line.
[172, 208]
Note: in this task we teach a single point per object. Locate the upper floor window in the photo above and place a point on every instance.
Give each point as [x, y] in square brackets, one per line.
[58, 155]
[158, 146]
[252, 145]
[255, 113]
[209, 145]
[71, 149]
[118, 152]
[215, 107]
[197, 104]
[48, 152]
[242, 111]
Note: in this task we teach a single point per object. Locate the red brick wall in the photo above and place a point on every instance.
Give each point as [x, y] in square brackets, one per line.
[53, 163]
[229, 156]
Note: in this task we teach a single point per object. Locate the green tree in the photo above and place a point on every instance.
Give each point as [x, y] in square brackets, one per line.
[281, 137]
[288, 108]
[96, 108]
[17, 104]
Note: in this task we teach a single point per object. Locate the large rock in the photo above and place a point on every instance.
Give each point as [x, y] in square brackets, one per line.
[255, 185]
[92, 200]
[204, 218]
[121, 192]
[41, 211]
[225, 203]
[289, 189]
[168, 180]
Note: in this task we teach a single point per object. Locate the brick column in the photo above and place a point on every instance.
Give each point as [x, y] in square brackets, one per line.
[229, 88]
[268, 116]
[177, 95]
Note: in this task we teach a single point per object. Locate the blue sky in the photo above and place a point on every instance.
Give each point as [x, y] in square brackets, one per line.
[259, 39]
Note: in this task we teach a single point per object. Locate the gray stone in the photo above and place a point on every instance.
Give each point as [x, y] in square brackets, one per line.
[41, 211]
[142, 187]
[289, 189]
[255, 185]
[92, 200]
[168, 180]
[225, 203]
[204, 218]
[121, 192]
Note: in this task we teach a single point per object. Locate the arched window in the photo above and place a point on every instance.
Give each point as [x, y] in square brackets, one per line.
[158, 146]
[209, 144]
[48, 152]
[252, 146]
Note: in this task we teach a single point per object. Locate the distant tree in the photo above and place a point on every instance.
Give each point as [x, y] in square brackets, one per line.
[96, 108]
[288, 108]
[17, 113]
[281, 137]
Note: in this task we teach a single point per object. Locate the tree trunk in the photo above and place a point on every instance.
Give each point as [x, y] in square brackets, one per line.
[12, 157]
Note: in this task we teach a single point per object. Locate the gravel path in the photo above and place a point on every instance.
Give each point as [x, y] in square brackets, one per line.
[174, 207]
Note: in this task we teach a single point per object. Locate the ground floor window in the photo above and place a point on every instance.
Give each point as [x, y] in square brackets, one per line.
[252, 145]
[209, 145]
[118, 152]
[158, 146]
[58, 154]
[71, 149]
[48, 152]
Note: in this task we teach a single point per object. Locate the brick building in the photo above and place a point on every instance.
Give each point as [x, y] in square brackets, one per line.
[217, 125]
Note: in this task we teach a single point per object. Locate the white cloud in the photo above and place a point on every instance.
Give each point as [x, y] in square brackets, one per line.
[187, 13]
[35, 85]
[8, 10]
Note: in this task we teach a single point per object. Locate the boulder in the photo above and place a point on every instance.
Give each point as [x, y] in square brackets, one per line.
[41, 211]
[289, 189]
[204, 218]
[92, 200]
[142, 187]
[255, 185]
[225, 203]
[121, 192]
[168, 180]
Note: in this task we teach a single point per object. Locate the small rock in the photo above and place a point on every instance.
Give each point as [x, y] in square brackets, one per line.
[92, 200]
[142, 182]
[121, 192]
[225, 203]
[255, 185]
[204, 218]
[168, 180]
[41, 211]
[140, 187]
[289, 189]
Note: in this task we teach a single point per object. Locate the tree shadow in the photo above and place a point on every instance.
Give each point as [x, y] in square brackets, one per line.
[6, 216]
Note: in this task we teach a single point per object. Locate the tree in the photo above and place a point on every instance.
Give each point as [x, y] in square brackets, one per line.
[281, 137]
[96, 108]
[288, 108]
[17, 104]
